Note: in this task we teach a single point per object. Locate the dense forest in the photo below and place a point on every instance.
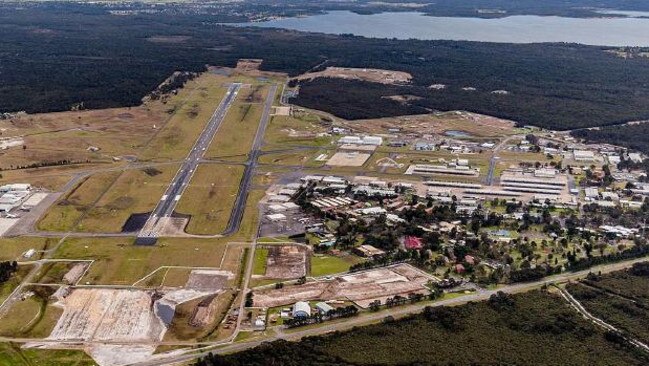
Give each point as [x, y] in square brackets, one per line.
[634, 136]
[619, 298]
[535, 328]
[6, 270]
[81, 53]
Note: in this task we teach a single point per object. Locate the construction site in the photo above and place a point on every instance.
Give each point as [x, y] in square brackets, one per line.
[287, 261]
[361, 288]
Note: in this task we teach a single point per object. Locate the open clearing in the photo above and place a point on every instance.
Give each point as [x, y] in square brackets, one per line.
[361, 288]
[13, 248]
[237, 132]
[349, 73]
[52, 137]
[190, 111]
[210, 197]
[348, 158]
[67, 212]
[117, 315]
[284, 261]
[118, 262]
[476, 125]
[135, 191]
[323, 265]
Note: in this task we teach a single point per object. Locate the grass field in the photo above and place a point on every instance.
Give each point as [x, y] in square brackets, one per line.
[305, 127]
[323, 265]
[190, 111]
[237, 131]
[70, 209]
[135, 191]
[68, 135]
[51, 178]
[12, 248]
[119, 262]
[30, 318]
[210, 197]
[12, 355]
[261, 257]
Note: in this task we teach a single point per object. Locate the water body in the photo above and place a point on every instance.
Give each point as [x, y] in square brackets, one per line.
[611, 31]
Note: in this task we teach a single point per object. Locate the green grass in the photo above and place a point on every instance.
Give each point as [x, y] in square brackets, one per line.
[328, 264]
[13, 355]
[210, 197]
[261, 257]
[8, 286]
[12, 248]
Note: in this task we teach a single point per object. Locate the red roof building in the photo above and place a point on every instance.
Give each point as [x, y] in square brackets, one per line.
[412, 242]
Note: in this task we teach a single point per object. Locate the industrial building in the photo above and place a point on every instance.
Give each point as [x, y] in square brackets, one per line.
[361, 140]
[301, 309]
[583, 155]
[426, 169]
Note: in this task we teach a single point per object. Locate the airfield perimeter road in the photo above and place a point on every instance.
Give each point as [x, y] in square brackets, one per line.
[251, 164]
[370, 318]
[167, 204]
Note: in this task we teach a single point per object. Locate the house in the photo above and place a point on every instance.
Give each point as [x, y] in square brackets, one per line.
[412, 242]
[367, 250]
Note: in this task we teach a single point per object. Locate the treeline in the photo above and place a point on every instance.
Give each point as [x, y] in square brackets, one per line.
[631, 136]
[46, 164]
[535, 328]
[7, 269]
[82, 54]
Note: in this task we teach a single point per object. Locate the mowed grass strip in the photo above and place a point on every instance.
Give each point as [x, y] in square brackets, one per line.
[135, 191]
[210, 197]
[66, 213]
[118, 262]
[261, 258]
[323, 265]
[237, 131]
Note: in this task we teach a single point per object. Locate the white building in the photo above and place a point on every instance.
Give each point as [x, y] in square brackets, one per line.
[301, 309]
[583, 155]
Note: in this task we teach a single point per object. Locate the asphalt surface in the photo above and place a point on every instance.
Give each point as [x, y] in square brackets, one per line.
[179, 183]
[250, 165]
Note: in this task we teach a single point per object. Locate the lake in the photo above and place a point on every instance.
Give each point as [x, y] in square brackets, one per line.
[613, 31]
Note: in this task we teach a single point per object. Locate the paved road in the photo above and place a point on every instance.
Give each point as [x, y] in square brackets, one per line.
[179, 183]
[494, 158]
[251, 164]
[368, 318]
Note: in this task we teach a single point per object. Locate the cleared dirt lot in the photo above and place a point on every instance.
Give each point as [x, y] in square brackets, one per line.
[372, 75]
[361, 288]
[348, 158]
[286, 261]
[118, 315]
[476, 125]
